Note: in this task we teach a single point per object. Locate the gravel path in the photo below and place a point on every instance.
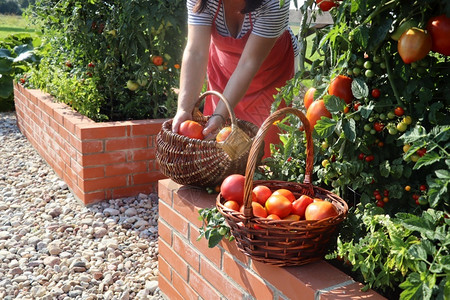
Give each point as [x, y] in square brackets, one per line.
[53, 247]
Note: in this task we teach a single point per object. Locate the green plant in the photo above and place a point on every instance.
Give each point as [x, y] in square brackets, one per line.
[113, 45]
[17, 55]
[214, 227]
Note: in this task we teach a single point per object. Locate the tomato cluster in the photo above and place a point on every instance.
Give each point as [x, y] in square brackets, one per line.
[280, 204]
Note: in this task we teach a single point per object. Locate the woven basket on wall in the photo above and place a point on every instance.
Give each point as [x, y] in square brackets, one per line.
[205, 163]
[283, 242]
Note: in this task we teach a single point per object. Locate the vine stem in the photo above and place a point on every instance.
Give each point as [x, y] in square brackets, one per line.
[378, 10]
[391, 80]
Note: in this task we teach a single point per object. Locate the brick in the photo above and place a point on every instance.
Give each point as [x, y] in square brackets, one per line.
[220, 281]
[142, 154]
[98, 159]
[149, 177]
[252, 283]
[91, 172]
[188, 201]
[146, 127]
[93, 146]
[164, 231]
[213, 254]
[173, 219]
[353, 289]
[100, 131]
[130, 191]
[167, 288]
[164, 268]
[103, 183]
[126, 143]
[183, 287]
[304, 279]
[186, 251]
[177, 263]
[94, 197]
[202, 287]
[125, 168]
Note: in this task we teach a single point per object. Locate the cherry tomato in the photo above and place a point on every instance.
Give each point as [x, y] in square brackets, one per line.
[439, 29]
[380, 203]
[376, 93]
[402, 127]
[423, 187]
[399, 111]
[356, 106]
[378, 126]
[369, 158]
[407, 188]
[413, 45]
[157, 60]
[421, 152]
[361, 156]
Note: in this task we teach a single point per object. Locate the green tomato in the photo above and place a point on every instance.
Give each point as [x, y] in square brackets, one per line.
[367, 127]
[373, 131]
[360, 61]
[382, 117]
[369, 73]
[422, 200]
[357, 117]
[383, 65]
[391, 115]
[402, 127]
[349, 72]
[325, 163]
[392, 130]
[325, 144]
[356, 71]
[407, 120]
[132, 86]
[368, 65]
[377, 59]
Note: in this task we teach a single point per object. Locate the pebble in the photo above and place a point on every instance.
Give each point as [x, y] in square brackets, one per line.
[54, 247]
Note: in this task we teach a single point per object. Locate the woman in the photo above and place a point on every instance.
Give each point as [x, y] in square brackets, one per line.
[247, 51]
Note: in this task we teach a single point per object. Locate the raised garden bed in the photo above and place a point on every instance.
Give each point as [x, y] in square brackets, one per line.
[98, 161]
[188, 269]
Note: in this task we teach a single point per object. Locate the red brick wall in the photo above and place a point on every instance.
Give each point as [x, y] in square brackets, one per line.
[98, 161]
[188, 269]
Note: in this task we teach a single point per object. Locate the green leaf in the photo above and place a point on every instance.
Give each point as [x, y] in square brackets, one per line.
[325, 127]
[443, 174]
[434, 108]
[385, 168]
[333, 103]
[366, 110]
[417, 251]
[361, 35]
[411, 136]
[428, 159]
[359, 88]
[415, 288]
[6, 88]
[350, 130]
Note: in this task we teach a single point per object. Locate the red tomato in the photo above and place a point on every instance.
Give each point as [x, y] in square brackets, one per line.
[278, 205]
[262, 193]
[439, 29]
[299, 205]
[341, 86]
[319, 210]
[232, 188]
[233, 205]
[191, 129]
[284, 192]
[157, 60]
[292, 218]
[316, 111]
[399, 111]
[378, 126]
[326, 5]
[309, 97]
[223, 134]
[413, 45]
[258, 210]
[376, 93]
[273, 217]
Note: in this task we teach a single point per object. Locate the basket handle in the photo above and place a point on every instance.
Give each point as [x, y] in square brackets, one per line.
[257, 142]
[224, 100]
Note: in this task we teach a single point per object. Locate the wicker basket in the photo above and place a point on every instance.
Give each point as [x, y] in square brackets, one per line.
[205, 163]
[283, 242]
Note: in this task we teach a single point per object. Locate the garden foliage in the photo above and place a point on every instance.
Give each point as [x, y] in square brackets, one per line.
[387, 151]
[111, 60]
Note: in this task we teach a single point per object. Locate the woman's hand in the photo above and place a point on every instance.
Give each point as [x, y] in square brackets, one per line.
[215, 123]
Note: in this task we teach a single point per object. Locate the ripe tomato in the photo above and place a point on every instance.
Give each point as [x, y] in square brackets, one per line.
[378, 126]
[157, 60]
[232, 188]
[439, 29]
[376, 93]
[232, 205]
[326, 5]
[191, 129]
[262, 193]
[413, 45]
[223, 134]
[299, 205]
[319, 210]
[278, 205]
[309, 97]
[421, 152]
[341, 86]
[259, 210]
[273, 217]
[316, 111]
[284, 192]
[292, 218]
[399, 111]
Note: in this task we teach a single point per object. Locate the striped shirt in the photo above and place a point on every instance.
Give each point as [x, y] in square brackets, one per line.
[269, 20]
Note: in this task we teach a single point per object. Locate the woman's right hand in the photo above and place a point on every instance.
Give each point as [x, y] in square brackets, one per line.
[179, 118]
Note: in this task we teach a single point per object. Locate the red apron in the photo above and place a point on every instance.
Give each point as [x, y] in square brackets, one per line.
[224, 55]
